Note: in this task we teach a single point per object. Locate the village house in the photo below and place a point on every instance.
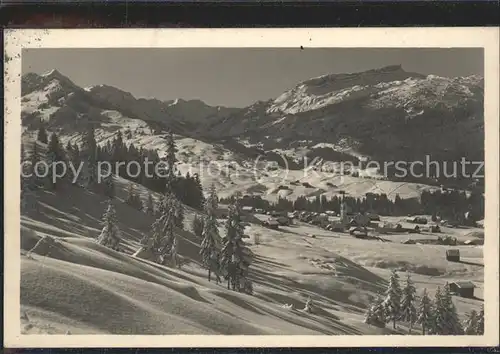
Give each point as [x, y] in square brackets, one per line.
[463, 288]
[453, 255]
[417, 220]
[272, 224]
[247, 209]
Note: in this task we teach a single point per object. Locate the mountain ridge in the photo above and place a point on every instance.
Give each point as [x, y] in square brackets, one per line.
[383, 114]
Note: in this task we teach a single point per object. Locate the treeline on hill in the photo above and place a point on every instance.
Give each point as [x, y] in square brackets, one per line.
[446, 170]
[127, 161]
[436, 316]
[451, 205]
[228, 257]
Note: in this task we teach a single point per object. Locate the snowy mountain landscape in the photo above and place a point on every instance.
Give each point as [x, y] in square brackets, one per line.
[271, 218]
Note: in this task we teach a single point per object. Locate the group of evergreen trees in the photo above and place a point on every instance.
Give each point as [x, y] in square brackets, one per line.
[236, 257]
[230, 255]
[163, 242]
[138, 165]
[435, 317]
[450, 205]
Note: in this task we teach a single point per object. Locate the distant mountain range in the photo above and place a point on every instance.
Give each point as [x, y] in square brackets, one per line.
[382, 114]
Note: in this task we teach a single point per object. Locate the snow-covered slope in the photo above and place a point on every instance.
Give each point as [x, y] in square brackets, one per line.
[119, 293]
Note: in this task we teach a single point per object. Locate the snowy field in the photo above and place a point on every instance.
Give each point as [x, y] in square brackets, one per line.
[120, 294]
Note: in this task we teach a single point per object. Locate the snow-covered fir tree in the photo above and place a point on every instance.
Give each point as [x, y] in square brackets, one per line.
[236, 257]
[152, 241]
[470, 323]
[375, 315]
[425, 312]
[211, 243]
[451, 320]
[408, 310]
[197, 226]
[392, 302]
[445, 318]
[480, 322]
[228, 246]
[110, 235]
[167, 243]
[309, 306]
[437, 319]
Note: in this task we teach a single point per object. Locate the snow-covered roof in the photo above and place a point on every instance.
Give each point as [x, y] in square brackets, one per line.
[464, 284]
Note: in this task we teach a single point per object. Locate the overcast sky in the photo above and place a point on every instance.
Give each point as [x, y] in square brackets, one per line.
[234, 77]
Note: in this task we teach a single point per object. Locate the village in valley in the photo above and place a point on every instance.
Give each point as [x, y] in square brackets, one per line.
[190, 252]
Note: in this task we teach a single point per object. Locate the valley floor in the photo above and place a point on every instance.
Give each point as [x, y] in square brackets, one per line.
[77, 286]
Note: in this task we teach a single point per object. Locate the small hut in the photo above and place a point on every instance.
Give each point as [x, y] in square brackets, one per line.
[463, 288]
[453, 255]
[435, 228]
[283, 220]
[474, 242]
[247, 209]
[272, 224]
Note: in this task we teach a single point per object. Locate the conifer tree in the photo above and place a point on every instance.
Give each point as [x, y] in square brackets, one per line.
[480, 322]
[133, 199]
[73, 154]
[198, 197]
[211, 244]
[375, 315]
[438, 317]
[470, 324]
[170, 159]
[179, 214]
[309, 305]
[89, 158]
[110, 235]
[425, 312]
[150, 206]
[408, 311]
[227, 252]
[42, 135]
[118, 152]
[236, 257]
[153, 241]
[55, 154]
[197, 226]
[213, 200]
[164, 240]
[392, 300]
[173, 251]
[451, 322]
